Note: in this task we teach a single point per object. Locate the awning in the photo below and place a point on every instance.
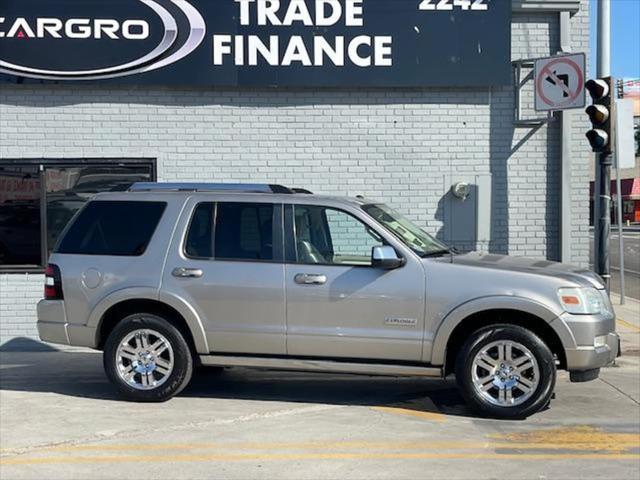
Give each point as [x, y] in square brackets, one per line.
[630, 188]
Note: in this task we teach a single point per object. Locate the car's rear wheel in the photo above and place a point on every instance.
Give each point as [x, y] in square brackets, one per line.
[147, 358]
[506, 371]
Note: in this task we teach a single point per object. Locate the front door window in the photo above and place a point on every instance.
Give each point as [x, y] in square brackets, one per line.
[328, 236]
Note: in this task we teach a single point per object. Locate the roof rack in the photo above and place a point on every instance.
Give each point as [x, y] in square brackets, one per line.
[209, 187]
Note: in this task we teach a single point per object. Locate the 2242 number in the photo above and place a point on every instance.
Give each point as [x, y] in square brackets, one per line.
[478, 5]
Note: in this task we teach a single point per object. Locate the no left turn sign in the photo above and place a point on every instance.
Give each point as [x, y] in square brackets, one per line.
[559, 82]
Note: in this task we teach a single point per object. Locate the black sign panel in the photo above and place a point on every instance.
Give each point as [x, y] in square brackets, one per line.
[405, 43]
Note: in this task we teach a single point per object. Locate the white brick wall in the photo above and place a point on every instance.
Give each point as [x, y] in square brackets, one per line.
[394, 145]
[18, 297]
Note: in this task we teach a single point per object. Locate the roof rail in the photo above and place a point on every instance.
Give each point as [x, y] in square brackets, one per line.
[209, 187]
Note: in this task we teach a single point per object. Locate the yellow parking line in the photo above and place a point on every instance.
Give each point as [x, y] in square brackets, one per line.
[574, 434]
[630, 325]
[627, 441]
[569, 442]
[152, 447]
[318, 456]
[432, 416]
[614, 445]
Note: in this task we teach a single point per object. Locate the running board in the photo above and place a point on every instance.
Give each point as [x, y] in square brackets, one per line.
[382, 369]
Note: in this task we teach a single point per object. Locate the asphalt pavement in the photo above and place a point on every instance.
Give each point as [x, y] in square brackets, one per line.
[61, 419]
[631, 241]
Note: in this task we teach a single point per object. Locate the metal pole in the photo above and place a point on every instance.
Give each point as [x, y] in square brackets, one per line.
[619, 94]
[596, 214]
[604, 222]
[604, 38]
[619, 222]
[603, 227]
[566, 213]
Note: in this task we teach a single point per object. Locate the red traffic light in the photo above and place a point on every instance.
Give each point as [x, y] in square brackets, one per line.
[598, 89]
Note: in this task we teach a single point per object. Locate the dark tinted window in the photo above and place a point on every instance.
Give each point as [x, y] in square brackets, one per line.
[244, 231]
[69, 188]
[20, 215]
[199, 239]
[112, 228]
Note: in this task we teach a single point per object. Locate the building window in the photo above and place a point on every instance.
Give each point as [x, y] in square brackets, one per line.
[39, 197]
[628, 206]
[20, 190]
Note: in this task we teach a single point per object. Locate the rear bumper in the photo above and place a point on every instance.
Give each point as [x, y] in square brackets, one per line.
[52, 332]
[53, 326]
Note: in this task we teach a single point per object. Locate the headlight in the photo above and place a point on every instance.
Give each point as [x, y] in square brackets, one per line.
[582, 301]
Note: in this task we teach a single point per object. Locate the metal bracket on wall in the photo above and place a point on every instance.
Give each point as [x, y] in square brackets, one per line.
[520, 82]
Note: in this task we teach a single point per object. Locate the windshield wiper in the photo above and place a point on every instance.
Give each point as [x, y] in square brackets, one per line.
[438, 253]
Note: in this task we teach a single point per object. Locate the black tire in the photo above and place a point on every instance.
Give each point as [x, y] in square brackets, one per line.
[543, 356]
[182, 371]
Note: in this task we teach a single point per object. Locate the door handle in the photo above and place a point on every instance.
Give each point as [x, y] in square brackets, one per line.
[310, 279]
[182, 272]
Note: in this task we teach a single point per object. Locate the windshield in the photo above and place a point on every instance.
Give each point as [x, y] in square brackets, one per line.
[410, 234]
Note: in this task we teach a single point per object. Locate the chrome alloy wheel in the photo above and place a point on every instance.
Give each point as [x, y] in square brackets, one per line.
[144, 359]
[505, 373]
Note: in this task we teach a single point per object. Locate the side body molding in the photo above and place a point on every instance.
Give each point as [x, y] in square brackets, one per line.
[143, 293]
[478, 305]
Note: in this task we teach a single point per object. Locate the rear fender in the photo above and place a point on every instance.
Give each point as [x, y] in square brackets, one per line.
[141, 293]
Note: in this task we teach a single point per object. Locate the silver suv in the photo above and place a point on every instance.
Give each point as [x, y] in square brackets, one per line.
[167, 276]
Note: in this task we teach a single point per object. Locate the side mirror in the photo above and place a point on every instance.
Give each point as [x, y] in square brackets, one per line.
[385, 257]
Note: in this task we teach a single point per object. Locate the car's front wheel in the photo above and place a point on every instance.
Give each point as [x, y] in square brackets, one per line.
[147, 358]
[506, 371]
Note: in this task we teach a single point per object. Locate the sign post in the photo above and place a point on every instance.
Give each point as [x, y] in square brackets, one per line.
[625, 153]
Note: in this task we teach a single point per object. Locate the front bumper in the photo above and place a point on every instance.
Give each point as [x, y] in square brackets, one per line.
[53, 326]
[578, 334]
[588, 358]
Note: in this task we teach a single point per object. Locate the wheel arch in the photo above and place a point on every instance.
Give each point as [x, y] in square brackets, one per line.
[125, 302]
[459, 323]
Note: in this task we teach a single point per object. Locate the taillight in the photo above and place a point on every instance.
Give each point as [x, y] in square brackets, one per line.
[52, 283]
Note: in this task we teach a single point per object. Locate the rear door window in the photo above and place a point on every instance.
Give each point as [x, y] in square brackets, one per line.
[244, 231]
[200, 238]
[112, 228]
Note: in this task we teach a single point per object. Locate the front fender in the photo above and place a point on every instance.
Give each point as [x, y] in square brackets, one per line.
[478, 305]
[141, 293]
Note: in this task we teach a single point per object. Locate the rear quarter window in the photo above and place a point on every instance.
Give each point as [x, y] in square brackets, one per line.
[112, 228]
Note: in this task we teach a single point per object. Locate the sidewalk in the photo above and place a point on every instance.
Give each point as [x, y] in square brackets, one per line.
[628, 324]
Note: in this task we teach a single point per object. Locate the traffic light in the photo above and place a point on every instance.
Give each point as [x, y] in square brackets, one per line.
[601, 136]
